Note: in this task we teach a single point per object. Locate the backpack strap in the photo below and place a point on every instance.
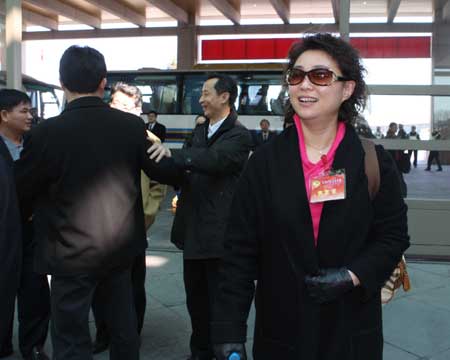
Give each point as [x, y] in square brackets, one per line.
[372, 167]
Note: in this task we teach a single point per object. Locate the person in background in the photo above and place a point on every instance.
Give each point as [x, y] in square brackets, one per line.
[155, 127]
[401, 132]
[378, 134]
[212, 164]
[397, 155]
[413, 135]
[303, 229]
[33, 294]
[265, 135]
[81, 173]
[434, 154]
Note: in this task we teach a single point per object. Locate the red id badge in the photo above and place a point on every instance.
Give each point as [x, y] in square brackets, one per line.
[328, 186]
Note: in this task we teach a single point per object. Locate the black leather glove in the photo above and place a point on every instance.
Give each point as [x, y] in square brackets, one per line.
[328, 284]
[225, 351]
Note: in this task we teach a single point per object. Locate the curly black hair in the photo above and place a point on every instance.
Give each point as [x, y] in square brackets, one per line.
[349, 62]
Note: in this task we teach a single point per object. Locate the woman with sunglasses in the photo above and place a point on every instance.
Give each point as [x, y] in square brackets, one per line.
[302, 225]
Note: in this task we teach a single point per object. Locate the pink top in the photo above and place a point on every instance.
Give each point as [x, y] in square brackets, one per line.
[311, 170]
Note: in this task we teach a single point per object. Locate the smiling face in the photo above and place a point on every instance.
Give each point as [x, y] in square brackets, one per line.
[18, 119]
[314, 102]
[214, 105]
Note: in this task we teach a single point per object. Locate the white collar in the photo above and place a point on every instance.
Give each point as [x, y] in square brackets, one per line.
[213, 128]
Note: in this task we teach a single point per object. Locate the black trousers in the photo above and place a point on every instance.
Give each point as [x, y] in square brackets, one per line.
[71, 300]
[200, 282]
[411, 152]
[33, 301]
[434, 155]
[138, 272]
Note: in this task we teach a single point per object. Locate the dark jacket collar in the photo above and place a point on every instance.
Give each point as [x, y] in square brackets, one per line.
[229, 123]
[84, 102]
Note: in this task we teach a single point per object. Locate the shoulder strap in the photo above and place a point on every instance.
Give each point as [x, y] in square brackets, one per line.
[371, 167]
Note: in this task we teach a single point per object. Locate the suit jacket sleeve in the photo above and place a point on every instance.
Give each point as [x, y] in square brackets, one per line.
[164, 172]
[162, 132]
[10, 234]
[239, 264]
[227, 156]
[388, 237]
[34, 169]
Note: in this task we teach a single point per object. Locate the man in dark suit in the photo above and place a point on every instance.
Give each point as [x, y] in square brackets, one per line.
[265, 135]
[10, 250]
[81, 171]
[212, 161]
[155, 127]
[33, 293]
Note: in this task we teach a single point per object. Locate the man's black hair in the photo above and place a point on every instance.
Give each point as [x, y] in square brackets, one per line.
[10, 98]
[225, 83]
[152, 112]
[81, 69]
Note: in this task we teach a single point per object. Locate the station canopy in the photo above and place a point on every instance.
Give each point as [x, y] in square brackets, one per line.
[67, 15]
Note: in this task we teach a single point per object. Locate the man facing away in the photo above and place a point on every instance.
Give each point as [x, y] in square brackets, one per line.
[128, 98]
[33, 294]
[81, 172]
[212, 161]
[413, 135]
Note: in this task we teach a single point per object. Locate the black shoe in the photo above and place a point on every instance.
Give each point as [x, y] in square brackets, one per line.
[98, 346]
[440, 169]
[427, 169]
[37, 354]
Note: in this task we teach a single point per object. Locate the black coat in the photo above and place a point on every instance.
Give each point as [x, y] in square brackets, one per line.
[213, 168]
[259, 140]
[81, 170]
[270, 239]
[159, 130]
[10, 242]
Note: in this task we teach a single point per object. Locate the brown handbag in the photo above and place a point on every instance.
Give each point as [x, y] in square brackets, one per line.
[399, 276]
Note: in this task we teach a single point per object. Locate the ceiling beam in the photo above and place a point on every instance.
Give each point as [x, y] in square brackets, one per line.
[282, 9]
[121, 11]
[99, 33]
[392, 9]
[228, 10]
[31, 17]
[229, 30]
[171, 9]
[68, 11]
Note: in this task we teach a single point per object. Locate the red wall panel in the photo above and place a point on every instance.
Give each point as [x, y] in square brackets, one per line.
[370, 47]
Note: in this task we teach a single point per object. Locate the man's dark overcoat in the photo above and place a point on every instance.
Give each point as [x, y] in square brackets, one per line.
[81, 170]
[213, 167]
[270, 239]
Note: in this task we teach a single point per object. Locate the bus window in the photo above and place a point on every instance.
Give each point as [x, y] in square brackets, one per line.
[50, 104]
[260, 94]
[159, 91]
[192, 90]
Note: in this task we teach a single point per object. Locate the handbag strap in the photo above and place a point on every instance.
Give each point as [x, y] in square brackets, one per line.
[372, 167]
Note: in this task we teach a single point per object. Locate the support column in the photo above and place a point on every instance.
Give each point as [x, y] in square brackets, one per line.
[13, 43]
[440, 117]
[344, 19]
[187, 44]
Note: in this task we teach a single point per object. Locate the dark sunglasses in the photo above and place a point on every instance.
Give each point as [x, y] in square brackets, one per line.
[320, 77]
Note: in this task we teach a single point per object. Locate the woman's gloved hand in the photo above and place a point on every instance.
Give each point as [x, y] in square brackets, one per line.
[227, 351]
[328, 284]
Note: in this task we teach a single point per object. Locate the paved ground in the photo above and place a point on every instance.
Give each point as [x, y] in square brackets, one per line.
[416, 324]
